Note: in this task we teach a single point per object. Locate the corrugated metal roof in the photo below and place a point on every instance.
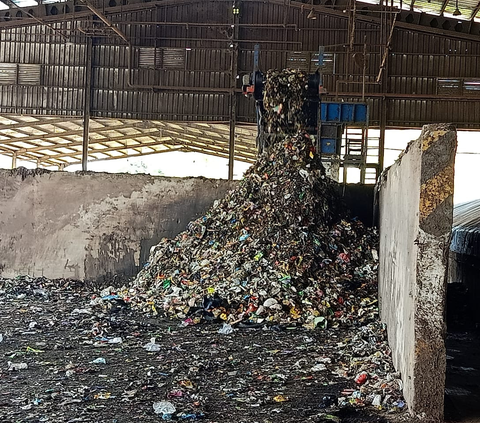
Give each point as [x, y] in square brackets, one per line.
[55, 141]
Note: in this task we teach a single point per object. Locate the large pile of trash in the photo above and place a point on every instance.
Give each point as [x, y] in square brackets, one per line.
[283, 99]
[278, 249]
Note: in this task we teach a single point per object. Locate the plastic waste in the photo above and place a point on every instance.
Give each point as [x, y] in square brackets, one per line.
[152, 346]
[81, 311]
[377, 401]
[318, 367]
[99, 360]
[226, 329]
[164, 408]
[361, 378]
[17, 366]
[191, 416]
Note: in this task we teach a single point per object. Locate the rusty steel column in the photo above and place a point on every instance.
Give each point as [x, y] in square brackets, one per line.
[87, 102]
[381, 141]
[233, 83]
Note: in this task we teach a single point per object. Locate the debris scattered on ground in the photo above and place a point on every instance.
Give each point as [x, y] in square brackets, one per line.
[254, 374]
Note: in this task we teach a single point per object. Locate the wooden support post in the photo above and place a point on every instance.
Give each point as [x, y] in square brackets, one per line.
[87, 101]
[14, 160]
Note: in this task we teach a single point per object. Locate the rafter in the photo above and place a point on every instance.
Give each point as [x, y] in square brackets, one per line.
[249, 154]
[116, 138]
[444, 6]
[475, 11]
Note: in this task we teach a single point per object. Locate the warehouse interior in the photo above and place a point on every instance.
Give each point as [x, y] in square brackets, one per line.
[88, 81]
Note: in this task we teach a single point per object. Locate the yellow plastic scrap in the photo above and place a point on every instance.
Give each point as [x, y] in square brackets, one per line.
[295, 313]
[187, 384]
[280, 398]
[30, 349]
[102, 395]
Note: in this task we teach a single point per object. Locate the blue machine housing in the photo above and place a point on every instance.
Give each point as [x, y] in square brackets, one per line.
[334, 116]
[324, 119]
[345, 113]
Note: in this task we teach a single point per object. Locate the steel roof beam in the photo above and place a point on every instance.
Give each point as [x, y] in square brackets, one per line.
[475, 11]
[106, 21]
[444, 6]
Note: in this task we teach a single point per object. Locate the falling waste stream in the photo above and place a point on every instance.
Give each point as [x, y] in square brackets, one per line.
[263, 310]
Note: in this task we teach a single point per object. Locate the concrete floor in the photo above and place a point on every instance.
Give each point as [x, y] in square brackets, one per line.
[462, 388]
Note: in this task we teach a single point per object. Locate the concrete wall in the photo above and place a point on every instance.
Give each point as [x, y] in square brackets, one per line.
[416, 205]
[92, 225]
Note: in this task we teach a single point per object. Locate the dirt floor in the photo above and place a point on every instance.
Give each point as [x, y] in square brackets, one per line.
[254, 374]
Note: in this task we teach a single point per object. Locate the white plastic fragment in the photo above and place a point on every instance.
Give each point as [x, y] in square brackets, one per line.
[99, 360]
[318, 367]
[163, 407]
[226, 329]
[17, 366]
[152, 346]
[107, 291]
[116, 340]
[270, 302]
[81, 311]
[377, 401]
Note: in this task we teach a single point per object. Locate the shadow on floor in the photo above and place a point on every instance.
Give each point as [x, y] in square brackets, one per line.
[462, 387]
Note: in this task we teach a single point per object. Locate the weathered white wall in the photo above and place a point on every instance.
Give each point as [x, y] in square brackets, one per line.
[416, 205]
[92, 225]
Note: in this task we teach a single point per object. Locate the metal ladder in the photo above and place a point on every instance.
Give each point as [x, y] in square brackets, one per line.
[362, 152]
[372, 148]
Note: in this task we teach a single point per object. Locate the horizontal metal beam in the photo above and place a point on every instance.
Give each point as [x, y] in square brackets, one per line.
[34, 124]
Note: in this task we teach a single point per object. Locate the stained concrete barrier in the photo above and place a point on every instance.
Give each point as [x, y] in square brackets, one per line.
[92, 225]
[416, 206]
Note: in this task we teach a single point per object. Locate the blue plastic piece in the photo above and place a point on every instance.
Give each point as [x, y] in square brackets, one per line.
[328, 145]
